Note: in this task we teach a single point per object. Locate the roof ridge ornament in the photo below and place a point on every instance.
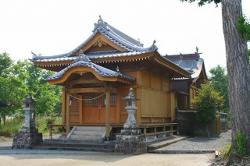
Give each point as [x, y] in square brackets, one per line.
[35, 56]
[83, 58]
[153, 47]
[100, 24]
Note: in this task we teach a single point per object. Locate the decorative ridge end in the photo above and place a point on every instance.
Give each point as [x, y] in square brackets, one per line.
[153, 47]
[35, 56]
[100, 24]
[83, 58]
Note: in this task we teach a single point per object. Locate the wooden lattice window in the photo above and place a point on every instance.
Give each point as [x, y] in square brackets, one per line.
[90, 103]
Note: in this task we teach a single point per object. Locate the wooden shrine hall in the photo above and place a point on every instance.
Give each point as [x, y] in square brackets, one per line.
[97, 75]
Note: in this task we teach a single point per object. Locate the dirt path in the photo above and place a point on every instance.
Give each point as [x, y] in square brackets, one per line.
[103, 159]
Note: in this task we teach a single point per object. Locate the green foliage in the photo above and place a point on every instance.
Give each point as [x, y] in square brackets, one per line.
[243, 27]
[226, 152]
[207, 103]
[44, 121]
[5, 63]
[219, 82]
[11, 127]
[203, 2]
[22, 78]
[241, 143]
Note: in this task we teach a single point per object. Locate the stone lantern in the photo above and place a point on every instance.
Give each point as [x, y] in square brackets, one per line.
[29, 114]
[131, 109]
[130, 140]
[28, 135]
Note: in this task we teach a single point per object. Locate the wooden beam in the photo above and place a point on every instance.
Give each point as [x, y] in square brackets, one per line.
[67, 113]
[85, 81]
[90, 90]
[107, 114]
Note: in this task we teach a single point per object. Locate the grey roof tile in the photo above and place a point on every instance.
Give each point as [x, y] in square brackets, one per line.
[190, 62]
[83, 61]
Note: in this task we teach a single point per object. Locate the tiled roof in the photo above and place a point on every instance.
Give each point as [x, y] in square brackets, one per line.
[91, 56]
[190, 62]
[84, 61]
[111, 33]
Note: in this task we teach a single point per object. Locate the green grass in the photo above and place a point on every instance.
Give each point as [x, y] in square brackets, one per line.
[227, 151]
[12, 126]
[43, 122]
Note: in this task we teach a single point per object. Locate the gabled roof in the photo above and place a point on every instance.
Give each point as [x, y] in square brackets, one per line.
[126, 49]
[190, 62]
[112, 34]
[85, 62]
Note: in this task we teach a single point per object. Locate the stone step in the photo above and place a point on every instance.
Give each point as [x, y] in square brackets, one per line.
[87, 133]
[96, 148]
[89, 128]
[87, 139]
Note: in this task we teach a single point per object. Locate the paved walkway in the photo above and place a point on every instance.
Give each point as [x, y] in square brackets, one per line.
[198, 144]
[76, 158]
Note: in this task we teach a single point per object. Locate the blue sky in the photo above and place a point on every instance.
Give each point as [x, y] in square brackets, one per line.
[52, 27]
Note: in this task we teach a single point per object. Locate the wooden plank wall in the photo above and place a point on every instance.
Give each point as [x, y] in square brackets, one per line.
[157, 103]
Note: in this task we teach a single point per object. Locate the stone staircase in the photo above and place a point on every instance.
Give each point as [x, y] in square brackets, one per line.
[87, 134]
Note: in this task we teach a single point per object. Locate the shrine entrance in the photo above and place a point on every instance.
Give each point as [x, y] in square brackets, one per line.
[90, 108]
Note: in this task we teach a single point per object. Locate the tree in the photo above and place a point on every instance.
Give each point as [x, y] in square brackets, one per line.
[249, 55]
[9, 93]
[219, 82]
[17, 80]
[5, 62]
[207, 103]
[237, 66]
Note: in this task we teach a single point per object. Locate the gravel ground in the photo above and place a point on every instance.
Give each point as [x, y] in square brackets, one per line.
[75, 158]
[5, 141]
[198, 144]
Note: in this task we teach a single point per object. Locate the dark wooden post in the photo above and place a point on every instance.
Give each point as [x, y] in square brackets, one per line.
[67, 113]
[107, 113]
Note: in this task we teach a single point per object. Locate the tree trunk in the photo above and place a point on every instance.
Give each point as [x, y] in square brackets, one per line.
[238, 70]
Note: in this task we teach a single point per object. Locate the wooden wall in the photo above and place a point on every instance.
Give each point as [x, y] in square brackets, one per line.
[157, 103]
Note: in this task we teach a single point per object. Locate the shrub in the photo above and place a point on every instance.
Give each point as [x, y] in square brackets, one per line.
[207, 103]
[11, 127]
[241, 143]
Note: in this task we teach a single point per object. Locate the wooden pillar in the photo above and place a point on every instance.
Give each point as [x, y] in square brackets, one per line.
[118, 107]
[67, 113]
[80, 109]
[107, 114]
[63, 106]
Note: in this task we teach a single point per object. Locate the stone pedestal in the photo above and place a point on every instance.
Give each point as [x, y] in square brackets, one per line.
[130, 141]
[28, 136]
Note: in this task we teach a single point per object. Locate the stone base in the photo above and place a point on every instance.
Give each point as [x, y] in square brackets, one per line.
[130, 142]
[26, 138]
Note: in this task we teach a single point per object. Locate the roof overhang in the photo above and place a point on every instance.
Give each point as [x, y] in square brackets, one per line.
[170, 65]
[85, 69]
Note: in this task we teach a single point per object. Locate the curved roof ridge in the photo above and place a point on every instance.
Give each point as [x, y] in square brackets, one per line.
[84, 61]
